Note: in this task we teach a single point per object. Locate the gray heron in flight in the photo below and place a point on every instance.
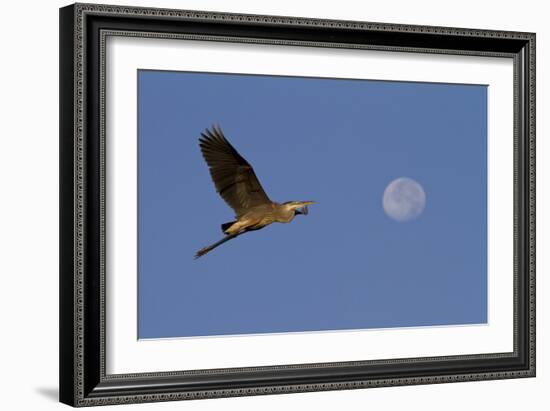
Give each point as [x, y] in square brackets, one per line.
[238, 185]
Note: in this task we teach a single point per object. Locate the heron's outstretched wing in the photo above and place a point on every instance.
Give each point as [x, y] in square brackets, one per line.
[232, 175]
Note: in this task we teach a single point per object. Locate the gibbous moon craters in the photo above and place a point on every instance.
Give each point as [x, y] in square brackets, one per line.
[404, 199]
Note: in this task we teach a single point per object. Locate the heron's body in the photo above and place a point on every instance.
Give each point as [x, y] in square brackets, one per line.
[238, 185]
[261, 216]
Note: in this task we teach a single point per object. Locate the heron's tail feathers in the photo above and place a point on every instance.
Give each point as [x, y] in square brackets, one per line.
[225, 226]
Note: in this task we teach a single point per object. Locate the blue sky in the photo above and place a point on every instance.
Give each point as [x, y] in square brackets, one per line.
[339, 142]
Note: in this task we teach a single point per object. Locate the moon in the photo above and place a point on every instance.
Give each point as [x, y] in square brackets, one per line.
[404, 199]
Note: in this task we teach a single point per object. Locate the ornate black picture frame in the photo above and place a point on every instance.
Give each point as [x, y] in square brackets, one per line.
[83, 378]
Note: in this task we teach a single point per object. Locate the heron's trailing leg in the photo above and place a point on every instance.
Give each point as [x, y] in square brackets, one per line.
[205, 250]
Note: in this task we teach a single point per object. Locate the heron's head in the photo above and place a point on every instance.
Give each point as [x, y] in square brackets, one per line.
[299, 207]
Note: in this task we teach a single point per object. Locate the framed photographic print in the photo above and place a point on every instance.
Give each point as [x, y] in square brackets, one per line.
[262, 204]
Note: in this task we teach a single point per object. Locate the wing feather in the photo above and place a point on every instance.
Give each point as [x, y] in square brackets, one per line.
[232, 175]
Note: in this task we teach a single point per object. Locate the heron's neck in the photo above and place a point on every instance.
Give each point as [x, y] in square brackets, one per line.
[288, 213]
